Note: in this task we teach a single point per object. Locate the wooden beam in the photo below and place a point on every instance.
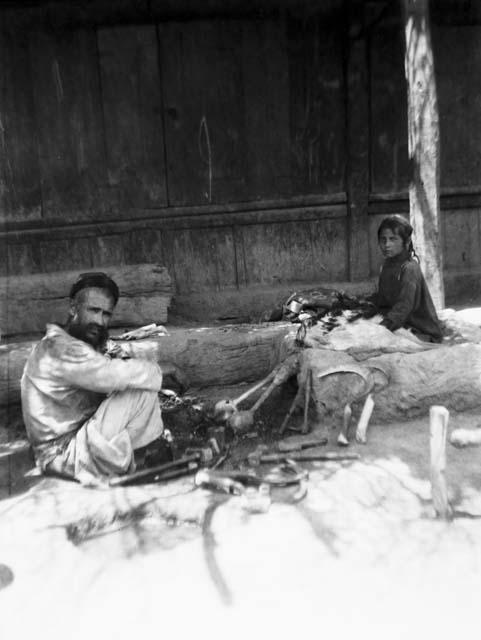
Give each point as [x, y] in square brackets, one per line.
[423, 125]
[303, 207]
[208, 355]
[65, 13]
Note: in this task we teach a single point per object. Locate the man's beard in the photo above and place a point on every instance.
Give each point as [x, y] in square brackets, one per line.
[91, 333]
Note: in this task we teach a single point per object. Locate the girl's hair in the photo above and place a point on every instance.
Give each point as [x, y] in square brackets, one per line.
[401, 226]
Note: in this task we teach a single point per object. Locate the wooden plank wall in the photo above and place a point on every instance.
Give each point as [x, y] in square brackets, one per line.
[132, 115]
[197, 144]
[241, 152]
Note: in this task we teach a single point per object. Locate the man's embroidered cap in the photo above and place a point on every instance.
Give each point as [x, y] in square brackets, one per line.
[96, 279]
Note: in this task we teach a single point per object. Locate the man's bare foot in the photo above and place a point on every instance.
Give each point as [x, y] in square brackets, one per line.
[465, 437]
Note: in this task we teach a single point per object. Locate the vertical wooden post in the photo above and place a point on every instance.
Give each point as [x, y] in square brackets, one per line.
[357, 140]
[423, 125]
[438, 425]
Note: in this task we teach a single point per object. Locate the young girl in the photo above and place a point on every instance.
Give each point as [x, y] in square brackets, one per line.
[403, 297]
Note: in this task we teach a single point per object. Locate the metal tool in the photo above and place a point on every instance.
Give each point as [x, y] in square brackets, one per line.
[205, 454]
[253, 489]
[288, 473]
[208, 479]
[167, 471]
[308, 456]
[297, 443]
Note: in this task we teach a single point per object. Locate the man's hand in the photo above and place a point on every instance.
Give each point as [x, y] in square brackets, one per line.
[174, 377]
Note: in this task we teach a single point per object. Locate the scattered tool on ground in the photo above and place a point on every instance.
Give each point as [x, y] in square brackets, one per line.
[181, 467]
[254, 488]
[296, 443]
[205, 454]
[218, 481]
[255, 494]
[286, 474]
[307, 456]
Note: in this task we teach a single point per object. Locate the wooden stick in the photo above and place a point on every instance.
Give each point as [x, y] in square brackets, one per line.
[361, 431]
[253, 389]
[226, 409]
[292, 408]
[308, 456]
[280, 374]
[343, 437]
[149, 473]
[297, 443]
[263, 397]
[307, 401]
[438, 425]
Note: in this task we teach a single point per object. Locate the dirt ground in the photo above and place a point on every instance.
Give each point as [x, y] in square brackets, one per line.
[361, 554]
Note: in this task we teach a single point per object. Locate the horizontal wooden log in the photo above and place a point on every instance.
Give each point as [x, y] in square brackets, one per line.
[409, 383]
[449, 376]
[28, 302]
[209, 356]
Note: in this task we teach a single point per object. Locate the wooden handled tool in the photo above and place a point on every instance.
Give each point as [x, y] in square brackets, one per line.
[308, 456]
[183, 466]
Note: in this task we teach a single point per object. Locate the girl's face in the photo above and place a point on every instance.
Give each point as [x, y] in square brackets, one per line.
[390, 243]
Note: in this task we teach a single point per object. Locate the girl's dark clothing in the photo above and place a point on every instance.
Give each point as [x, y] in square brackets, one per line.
[404, 299]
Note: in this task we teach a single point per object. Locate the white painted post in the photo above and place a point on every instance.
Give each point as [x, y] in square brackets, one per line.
[423, 140]
[438, 425]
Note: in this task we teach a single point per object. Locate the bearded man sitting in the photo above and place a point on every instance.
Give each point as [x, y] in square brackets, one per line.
[85, 411]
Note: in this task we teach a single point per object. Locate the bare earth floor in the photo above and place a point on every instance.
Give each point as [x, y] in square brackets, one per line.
[360, 556]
